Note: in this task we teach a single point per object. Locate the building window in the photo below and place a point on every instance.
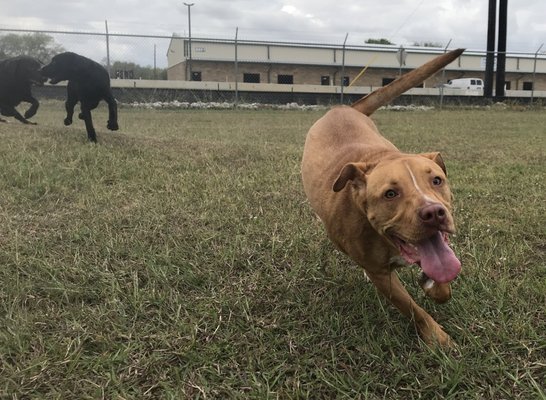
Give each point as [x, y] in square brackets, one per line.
[285, 79]
[346, 81]
[325, 80]
[124, 74]
[527, 85]
[196, 76]
[251, 78]
[386, 81]
[507, 85]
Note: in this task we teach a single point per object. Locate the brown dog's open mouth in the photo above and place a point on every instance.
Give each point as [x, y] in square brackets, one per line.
[433, 254]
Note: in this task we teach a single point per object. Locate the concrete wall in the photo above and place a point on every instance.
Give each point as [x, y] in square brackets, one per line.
[140, 91]
[213, 71]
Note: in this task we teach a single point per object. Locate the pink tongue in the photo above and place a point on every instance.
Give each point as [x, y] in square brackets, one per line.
[438, 261]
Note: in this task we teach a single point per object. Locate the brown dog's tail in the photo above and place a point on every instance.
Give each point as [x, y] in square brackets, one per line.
[368, 104]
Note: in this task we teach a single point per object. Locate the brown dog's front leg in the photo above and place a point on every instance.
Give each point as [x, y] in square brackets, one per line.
[391, 287]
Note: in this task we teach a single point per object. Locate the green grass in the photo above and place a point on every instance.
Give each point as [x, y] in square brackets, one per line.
[178, 259]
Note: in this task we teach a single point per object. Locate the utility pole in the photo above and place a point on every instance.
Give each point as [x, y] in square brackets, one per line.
[490, 55]
[501, 50]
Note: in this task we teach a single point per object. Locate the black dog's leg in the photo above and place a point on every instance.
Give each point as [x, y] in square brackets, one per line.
[71, 100]
[19, 117]
[33, 108]
[112, 113]
[12, 112]
[86, 116]
[69, 105]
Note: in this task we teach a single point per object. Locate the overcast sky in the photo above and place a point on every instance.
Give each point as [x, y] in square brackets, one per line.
[315, 21]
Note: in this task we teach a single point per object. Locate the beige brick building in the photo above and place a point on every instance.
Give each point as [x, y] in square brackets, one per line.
[305, 64]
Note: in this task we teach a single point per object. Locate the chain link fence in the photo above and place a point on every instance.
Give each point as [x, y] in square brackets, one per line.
[133, 57]
[125, 56]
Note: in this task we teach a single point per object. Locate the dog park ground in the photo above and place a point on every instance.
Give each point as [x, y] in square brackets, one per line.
[178, 258]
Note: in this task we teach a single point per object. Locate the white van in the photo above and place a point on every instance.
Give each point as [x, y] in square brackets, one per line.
[465, 83]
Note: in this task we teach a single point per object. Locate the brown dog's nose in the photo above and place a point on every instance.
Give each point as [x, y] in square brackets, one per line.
[433, 215]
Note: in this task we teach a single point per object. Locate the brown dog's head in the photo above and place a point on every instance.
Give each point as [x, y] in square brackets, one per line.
[407, 200]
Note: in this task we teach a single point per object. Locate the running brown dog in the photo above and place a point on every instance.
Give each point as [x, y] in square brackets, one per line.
[382, 207]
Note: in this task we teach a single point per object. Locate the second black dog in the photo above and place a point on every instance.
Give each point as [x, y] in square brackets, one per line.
[17, 75]
[88, 83]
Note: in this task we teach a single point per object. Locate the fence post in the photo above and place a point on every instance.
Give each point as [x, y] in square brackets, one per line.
[535, 73]
[236, 69]
[155, 61]
[443, 78]
[107, 49]
[401, 57]
[343, 66]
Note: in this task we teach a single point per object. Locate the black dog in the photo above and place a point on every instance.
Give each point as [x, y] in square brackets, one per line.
[17, 75]
[88, 83]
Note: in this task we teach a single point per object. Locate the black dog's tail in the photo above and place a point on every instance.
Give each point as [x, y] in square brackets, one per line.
[367, 105]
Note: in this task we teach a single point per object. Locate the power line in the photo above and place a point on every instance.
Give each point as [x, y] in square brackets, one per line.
[407, 18]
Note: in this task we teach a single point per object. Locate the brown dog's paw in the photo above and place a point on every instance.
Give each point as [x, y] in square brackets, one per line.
[441, 339]
[439, 292]
[433, 335]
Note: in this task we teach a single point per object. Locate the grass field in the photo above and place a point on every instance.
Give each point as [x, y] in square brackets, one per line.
[178, 259]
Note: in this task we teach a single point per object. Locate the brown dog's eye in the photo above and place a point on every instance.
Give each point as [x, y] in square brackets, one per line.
[437, 181]
[390, 194]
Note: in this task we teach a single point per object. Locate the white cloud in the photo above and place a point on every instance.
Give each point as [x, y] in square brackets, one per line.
[295, 12]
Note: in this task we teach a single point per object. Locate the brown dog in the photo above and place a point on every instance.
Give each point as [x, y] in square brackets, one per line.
[378, 204]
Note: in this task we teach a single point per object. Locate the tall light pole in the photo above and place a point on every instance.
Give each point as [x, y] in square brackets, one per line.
[490, 55]
[189, 38]
[501, 50]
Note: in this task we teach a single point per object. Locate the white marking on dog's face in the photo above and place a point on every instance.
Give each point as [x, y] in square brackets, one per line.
[428, 199]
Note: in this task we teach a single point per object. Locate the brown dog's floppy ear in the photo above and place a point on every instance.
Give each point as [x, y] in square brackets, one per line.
[437, 158]
[355, 172]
